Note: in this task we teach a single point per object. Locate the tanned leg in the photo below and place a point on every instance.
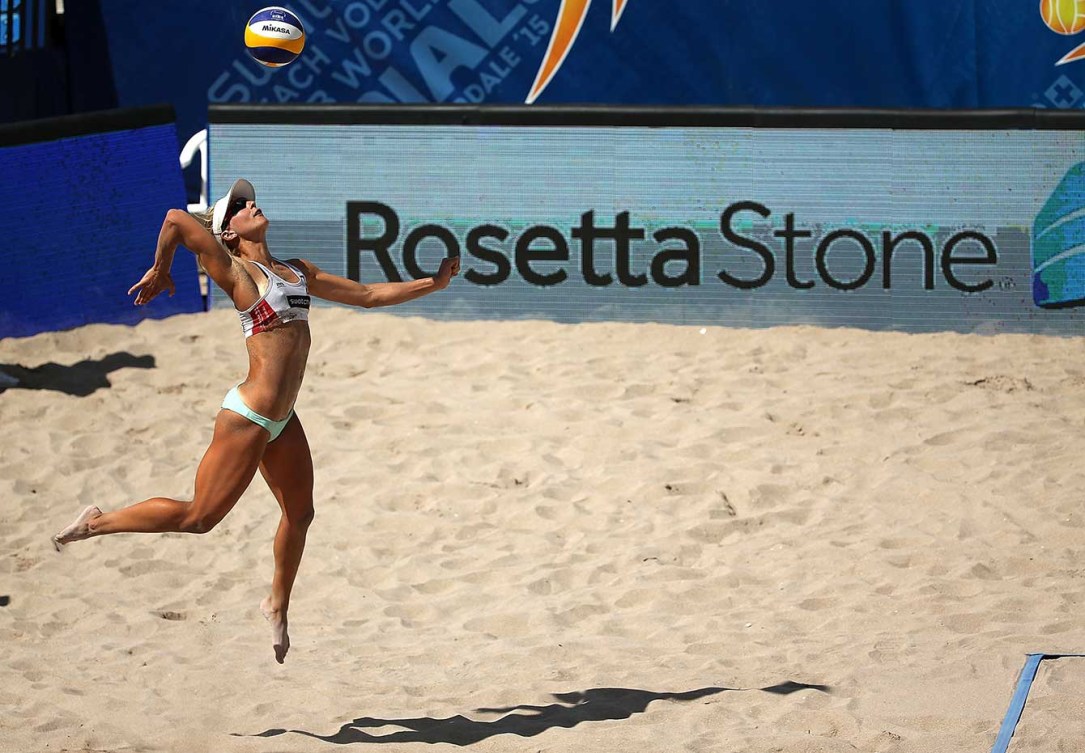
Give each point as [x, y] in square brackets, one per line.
[288, 469]
[228, 466]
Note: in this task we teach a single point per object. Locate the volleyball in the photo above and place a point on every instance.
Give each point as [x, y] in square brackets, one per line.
[1063, 16]
[274, 36]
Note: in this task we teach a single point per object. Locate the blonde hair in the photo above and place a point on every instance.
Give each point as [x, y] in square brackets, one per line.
[206, 218]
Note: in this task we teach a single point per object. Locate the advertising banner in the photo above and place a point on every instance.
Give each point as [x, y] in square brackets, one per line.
[913, 229]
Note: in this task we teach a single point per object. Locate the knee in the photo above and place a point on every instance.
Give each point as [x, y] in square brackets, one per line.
[307, 517]
[302, 519]
[196, 523]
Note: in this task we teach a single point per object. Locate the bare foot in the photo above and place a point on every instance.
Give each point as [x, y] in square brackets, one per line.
[77, 530]
[280, 641]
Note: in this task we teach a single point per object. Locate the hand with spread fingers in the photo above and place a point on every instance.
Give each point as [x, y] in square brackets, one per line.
[154, 281]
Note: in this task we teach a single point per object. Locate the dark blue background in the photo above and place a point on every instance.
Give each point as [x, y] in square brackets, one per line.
[90, 233]
[900, 53]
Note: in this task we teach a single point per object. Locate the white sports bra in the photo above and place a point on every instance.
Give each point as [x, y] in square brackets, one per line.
[282, 302]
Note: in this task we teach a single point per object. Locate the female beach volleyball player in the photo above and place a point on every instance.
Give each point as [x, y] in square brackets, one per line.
[257, 427]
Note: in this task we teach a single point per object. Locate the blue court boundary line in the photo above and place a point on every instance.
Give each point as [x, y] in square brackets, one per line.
[1020, 695]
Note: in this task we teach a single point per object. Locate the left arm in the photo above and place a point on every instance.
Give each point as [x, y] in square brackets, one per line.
[342, 290]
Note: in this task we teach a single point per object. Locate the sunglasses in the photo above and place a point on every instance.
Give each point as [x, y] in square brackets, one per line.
[233, 208]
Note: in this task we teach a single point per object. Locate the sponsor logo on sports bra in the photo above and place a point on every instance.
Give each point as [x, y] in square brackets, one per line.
[298, 301]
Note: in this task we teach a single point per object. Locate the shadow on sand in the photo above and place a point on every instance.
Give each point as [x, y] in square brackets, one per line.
[592, 705]
[79, 379]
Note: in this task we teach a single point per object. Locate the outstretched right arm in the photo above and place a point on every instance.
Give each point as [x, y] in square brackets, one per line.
[181, 228]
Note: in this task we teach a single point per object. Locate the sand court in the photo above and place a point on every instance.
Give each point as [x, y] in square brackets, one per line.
[554, 537]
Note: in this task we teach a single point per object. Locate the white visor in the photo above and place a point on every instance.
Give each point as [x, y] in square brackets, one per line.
[241, 189]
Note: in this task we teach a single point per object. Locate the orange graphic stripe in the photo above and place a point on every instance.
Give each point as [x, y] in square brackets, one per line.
[619, 6]
[570, 18]
[1075, 54]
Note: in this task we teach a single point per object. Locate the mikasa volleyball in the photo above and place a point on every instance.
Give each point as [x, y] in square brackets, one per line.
[274, 36]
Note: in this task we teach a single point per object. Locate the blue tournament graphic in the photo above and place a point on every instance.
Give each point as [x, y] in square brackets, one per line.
[620, 52]
[1058, 244]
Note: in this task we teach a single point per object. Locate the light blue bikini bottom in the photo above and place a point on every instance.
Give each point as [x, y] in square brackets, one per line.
[233, 402]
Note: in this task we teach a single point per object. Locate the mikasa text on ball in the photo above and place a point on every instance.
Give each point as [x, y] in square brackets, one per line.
[274, 36]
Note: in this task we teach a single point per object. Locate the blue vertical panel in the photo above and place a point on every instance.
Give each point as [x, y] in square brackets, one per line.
[81, 218]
